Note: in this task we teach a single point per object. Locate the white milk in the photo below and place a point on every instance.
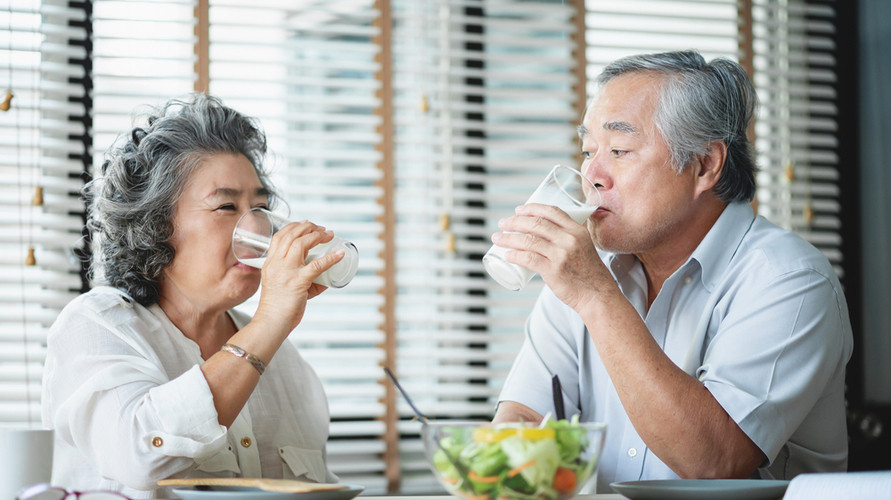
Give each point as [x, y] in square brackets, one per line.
[580, 214]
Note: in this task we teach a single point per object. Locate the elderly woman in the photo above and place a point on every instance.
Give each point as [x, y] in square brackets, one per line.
[154, 375]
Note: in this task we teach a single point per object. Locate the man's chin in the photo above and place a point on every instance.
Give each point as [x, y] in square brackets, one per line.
[612, 245]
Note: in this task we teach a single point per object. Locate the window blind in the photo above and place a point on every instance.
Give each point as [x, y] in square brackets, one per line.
[143, 54]
[42, 125]
[619, 29]
[307, 71]
[483, 108]
[795, 74]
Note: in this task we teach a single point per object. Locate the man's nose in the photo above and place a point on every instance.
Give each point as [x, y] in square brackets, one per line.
[593, 170]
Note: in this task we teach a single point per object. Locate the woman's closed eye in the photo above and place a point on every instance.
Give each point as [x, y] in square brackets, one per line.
[227, 206]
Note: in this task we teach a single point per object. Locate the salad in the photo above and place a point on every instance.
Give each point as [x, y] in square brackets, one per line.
[514, 461]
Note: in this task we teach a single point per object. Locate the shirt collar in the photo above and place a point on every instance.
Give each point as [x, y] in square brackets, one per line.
[722, 241]
[620, 264]
[714, 251]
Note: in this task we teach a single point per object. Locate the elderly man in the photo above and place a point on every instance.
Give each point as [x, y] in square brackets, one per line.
[712, 342]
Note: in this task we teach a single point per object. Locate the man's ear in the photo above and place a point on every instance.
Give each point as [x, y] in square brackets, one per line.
[708, 167]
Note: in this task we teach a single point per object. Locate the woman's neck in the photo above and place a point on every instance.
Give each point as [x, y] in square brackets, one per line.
[210, 328]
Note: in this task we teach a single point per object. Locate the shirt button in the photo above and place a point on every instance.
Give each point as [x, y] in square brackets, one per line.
[246, 442]
[688, 280]
[157, 442]
[632, 452]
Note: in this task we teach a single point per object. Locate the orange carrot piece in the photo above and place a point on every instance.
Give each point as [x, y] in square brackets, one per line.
[482, 479]
[516, 470]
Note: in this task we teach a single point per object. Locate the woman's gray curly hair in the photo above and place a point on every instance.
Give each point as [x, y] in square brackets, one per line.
[132, 200]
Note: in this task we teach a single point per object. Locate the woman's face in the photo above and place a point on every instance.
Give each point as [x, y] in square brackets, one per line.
[204, 273]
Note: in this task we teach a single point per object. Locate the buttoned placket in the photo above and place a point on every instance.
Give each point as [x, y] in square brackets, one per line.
[242, 441]
[245, 444]
[631, 453]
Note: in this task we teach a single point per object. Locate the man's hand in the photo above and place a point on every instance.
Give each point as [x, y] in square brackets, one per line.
[546, 240]
[511, 411]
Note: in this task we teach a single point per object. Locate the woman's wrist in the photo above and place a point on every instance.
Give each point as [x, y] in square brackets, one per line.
[258, 364]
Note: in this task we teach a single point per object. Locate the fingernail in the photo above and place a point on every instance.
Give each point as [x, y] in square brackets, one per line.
[496, 237]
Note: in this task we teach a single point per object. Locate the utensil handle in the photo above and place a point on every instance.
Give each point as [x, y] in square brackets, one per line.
[557, 390]
[408, 400]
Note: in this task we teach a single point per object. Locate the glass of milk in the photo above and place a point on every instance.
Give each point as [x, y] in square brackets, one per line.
[253, 234]
[565, 188]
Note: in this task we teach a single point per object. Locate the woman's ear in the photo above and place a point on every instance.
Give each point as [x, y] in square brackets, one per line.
[708, 167]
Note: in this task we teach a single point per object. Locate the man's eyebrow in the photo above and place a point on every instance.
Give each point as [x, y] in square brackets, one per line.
[223, 192]
[613, 126]
[620, 127]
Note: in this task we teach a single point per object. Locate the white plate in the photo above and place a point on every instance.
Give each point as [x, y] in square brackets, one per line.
[696, 489]
[246, 493]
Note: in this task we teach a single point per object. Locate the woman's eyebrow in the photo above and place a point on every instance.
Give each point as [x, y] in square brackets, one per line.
[226, 192]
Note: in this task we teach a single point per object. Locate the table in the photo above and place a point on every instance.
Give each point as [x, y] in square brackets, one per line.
[602, 496]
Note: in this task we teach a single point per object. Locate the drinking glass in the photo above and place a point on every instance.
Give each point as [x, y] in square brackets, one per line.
[565, 188]
[253, 234]
[26, 458]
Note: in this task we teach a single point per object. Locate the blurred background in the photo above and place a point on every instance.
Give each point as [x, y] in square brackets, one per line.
[410, 127]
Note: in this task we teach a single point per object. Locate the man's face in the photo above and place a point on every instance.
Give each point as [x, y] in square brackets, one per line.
[645, 200]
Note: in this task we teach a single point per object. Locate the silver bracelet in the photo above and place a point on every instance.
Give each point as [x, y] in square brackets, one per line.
[241, 353]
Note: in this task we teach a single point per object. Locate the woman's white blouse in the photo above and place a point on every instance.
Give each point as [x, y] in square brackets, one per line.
[123, 389]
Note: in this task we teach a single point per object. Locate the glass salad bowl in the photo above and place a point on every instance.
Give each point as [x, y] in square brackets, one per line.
[484, 461]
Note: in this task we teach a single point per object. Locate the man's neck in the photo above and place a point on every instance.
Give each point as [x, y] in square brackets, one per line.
[663, 260]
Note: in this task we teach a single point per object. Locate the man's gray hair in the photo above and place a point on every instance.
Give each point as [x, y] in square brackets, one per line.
[701, 103]
[132, 200]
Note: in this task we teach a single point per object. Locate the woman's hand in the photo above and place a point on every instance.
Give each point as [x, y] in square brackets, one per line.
[287, 279]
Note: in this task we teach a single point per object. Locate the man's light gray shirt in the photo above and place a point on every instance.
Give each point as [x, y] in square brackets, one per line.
[756, 314]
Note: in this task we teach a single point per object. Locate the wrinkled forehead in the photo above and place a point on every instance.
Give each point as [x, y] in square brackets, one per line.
[626, 104]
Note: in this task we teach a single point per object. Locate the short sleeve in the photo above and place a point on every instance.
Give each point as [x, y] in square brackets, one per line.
[773, 360]
[549, 348]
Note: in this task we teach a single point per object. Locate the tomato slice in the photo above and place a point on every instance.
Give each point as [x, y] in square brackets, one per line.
[564, 480]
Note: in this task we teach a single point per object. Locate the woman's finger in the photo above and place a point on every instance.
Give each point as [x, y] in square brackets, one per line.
[297, 239]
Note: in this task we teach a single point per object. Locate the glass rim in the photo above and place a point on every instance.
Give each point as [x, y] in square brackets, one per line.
[584, 180]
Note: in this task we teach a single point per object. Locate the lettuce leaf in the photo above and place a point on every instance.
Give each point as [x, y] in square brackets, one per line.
[544, 455]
